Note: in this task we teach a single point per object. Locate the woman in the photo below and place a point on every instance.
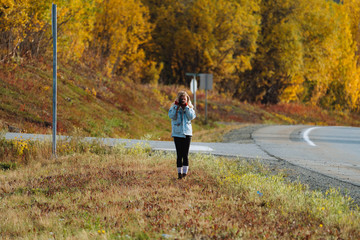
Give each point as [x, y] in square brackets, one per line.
[181, 113]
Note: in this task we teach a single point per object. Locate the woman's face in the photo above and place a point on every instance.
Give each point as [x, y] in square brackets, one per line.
[182, 99]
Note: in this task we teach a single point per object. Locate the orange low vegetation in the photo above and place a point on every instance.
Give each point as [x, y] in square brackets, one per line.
[99, 106]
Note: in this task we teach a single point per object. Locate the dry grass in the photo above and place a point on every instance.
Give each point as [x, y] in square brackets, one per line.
[134, 194]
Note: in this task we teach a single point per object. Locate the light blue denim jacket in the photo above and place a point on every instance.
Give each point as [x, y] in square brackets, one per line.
[181, 126]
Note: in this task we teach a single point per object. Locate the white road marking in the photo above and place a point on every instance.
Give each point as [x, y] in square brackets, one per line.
[306, 136]
[201, 148]
[192, 148]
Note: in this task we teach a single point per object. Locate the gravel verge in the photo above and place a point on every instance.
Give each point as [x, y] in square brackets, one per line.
[294, 173]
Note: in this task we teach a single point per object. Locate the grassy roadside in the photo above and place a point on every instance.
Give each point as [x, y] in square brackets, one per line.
[92, 192]
[100, 106]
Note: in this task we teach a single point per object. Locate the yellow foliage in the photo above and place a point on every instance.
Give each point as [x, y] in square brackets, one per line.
[93, 92]
[21, 146]
[269, 51]
[120, 27]
[13, 17]
[292, 92]
[204, 36]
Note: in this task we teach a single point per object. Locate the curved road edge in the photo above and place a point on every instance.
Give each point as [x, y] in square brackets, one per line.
[288, 137]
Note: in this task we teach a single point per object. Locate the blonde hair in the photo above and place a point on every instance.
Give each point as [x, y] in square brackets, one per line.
[184, 93]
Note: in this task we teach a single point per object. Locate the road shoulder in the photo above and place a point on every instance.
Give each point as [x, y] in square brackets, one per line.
[291, 171]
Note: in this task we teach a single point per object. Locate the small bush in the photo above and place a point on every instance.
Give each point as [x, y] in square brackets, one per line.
[17, 150]
[8, 166]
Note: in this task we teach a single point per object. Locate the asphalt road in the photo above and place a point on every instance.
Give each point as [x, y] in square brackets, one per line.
[331, 151]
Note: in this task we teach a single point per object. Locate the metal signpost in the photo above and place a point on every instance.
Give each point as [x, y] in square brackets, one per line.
[206, 82]
[193, 85]
[193, 88]
[54, 32]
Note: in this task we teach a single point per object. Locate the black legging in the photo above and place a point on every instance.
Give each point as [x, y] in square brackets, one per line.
[182, 150]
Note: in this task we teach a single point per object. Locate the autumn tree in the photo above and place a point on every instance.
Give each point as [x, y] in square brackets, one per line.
[305, 53]
[352, 9]
[203, 36]
[279, 57]
[13, 16]
[329, 60]
[120, 30]
[25, 27]
[350, 13]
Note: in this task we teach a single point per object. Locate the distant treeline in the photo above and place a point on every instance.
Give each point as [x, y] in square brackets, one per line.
[265, 51]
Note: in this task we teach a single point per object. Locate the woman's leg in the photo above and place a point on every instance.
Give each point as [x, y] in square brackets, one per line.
[186, 148]
[179, 151]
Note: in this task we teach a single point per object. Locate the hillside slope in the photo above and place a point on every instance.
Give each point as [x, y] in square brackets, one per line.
[92, 104]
